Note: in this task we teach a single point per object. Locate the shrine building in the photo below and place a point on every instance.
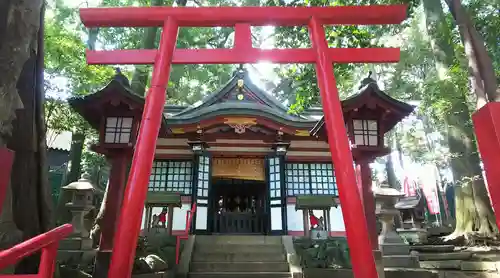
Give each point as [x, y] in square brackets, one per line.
[240, 156]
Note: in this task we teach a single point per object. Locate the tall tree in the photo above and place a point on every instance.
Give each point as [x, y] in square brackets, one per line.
[21, 60]
[474, 212]
[481, 71]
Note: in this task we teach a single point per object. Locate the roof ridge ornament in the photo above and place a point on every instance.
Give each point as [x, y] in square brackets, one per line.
[368, 80]
[122, 79]
[240, 71]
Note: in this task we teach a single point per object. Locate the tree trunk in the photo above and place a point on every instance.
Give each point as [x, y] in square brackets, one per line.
[19, 24]
[95, 232]
[473, 211]
[75, 157]
[476, 52]
[30, 190]
[140, 77]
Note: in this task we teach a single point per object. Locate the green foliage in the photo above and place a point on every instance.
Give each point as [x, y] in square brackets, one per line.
[159, 244]
[414, 78]
[65, 57]
[332, 252]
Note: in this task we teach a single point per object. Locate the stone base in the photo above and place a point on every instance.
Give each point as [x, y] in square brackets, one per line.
[102, 262]
[413, 235]
[151, 275]
[389, 249]
[400, 272]
[318, 234]
[401, 261]
[379, 263]
[439, 231]
[433, 248]
[82, 257]
[75, 243]
[444, 256]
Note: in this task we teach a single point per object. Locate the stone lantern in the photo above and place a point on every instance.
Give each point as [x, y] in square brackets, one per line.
[82, 192]
[395, 252]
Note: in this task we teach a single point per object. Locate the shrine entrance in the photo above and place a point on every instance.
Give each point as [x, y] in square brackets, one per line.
[238, 207]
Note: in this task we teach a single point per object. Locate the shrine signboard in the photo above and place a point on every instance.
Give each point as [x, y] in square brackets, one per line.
[242, 18]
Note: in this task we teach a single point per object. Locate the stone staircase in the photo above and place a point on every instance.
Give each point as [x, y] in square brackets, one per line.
[221, 256]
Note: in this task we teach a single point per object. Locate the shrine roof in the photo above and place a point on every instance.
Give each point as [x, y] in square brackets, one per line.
[238, 99]
[118, 89]
[370, 95]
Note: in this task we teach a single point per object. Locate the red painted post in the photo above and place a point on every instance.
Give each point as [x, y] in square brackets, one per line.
[6, 161]
[129, 223]
[48, 261]
[368, 201]
[358, 238]
[117, 180]
[487, 126]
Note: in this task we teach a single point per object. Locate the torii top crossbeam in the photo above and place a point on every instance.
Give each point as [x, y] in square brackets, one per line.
[230, 16]
[242, 18]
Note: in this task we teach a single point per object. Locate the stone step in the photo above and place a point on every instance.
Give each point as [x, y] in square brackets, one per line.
[240, 275]
[239, 267]
[444, 256]
[240, 248]
[239, 239]
[236, 256]
[408, 261]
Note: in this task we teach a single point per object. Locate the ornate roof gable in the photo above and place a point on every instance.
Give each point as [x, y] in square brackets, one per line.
[240, 96]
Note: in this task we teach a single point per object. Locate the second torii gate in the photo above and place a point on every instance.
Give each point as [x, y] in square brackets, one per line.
[242, 18]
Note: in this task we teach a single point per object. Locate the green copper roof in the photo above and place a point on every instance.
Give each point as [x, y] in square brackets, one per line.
[315, 202]
[255, 102]
[164, 198]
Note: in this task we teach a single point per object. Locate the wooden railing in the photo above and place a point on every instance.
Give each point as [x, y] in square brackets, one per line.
[239, 222]
[47, 242]
[185, 235]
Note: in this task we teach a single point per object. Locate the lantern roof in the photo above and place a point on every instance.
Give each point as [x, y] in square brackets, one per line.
[83, 184]
[370, 97]
[116, 92]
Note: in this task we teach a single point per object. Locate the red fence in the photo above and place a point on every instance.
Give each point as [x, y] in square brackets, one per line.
[47, 242]
[189, 220]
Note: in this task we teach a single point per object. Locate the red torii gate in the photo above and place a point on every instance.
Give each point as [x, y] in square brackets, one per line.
[242, 18]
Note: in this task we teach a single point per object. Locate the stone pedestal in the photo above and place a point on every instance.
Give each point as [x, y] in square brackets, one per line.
[396, 253]
[379, 263]
[78, 246]
[78, 221]
[413, 235]
[318, 234]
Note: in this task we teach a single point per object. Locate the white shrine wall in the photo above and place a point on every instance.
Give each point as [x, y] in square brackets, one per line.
[296, 224]
[179, 221]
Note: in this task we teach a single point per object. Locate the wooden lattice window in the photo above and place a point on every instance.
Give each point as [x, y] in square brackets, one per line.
[203, 176]
[310, 179]
[118, 130]
[171, 176]
[365, 132]
[323, 179]
[274, 177]
[297, 179]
